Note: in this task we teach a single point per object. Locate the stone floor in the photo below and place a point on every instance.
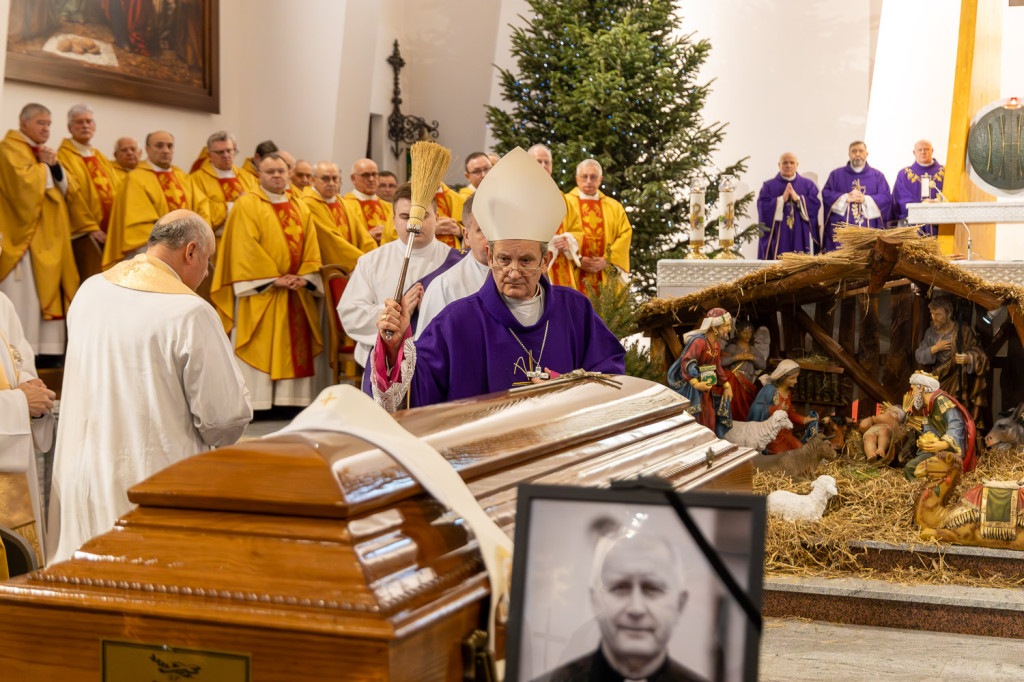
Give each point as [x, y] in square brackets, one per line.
[795, 650]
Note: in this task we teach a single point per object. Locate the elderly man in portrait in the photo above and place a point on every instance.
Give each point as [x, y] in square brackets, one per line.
[127, 155]
[366, 208]
[911, 188]
[150, 379]
[637, 593]
[89, 208]
[788, 205]
[517, 329]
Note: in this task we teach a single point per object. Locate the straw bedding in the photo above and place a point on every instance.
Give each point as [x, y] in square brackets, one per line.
[872, 504]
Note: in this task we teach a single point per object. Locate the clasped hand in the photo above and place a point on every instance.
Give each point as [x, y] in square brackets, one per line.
[293, 282]
[40, 398]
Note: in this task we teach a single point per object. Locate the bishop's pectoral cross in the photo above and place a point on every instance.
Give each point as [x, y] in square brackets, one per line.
[857, 210]
[526, 366]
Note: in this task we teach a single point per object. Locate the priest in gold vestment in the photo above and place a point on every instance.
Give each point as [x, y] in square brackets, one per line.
[153, 189]
[220, 179]
[37, 268]
[342, 240]
[127, 155]
[605, 233]
[90, 206]
[449, 219]
[267, 290]
[365, 207]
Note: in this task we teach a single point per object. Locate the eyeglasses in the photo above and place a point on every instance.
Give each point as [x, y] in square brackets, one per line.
[479, 171]
[367, 176]
[505, 264]
[224, 152]
[328, 178]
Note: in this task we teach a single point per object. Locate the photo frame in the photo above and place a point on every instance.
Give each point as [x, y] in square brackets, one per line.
[148, 50]
[570, 542]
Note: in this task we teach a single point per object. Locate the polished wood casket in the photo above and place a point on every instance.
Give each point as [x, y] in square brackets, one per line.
[314, 556]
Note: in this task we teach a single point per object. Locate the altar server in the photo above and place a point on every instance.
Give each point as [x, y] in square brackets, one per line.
[517, 329]
[149, 380]
[463, 279]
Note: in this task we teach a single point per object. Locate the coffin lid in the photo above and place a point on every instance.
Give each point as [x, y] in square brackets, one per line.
[294, 474]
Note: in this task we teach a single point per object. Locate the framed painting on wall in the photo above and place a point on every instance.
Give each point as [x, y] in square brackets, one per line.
[159, 51]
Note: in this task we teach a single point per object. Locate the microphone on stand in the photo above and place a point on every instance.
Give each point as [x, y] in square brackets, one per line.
[942, 196]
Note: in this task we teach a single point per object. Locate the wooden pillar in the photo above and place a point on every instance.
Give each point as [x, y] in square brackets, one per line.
[900, 363]
[976, 83]
[868, 348]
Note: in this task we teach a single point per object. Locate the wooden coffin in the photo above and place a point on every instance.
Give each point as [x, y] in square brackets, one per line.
[260, 558]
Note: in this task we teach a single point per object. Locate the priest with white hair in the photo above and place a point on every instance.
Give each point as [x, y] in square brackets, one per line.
[517, 329]
[949, 424]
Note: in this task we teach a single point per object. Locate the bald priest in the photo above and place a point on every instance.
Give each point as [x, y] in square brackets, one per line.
[517, 329]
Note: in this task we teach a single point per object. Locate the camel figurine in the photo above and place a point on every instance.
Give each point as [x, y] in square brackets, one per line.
[988, 515]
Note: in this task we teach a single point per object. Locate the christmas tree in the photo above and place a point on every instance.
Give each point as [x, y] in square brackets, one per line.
[616, 81]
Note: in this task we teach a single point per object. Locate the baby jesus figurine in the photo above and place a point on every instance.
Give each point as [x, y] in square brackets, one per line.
[877, 430]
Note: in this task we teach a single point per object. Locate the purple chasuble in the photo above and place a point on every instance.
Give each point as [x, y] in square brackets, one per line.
[471, 347]
[453, 257]
[842, 180]
[791, 232]
[907, 190]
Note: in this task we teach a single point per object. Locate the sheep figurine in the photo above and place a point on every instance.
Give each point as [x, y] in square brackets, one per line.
[809, 507]
[757, 435]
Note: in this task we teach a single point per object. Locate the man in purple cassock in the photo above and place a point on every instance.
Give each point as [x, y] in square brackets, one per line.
[517, 329]
[908, 187]
[788, 204]
[856, 194]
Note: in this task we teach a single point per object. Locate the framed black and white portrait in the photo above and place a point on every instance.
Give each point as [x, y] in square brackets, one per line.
[610, 584]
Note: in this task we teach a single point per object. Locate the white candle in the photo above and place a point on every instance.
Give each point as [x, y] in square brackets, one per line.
[926, 187]
[727, 232]
[697, 216]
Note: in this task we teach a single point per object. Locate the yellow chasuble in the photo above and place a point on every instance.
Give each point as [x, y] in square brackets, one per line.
[605, 233]
[277, 330]
[221, 191]
[466, 192]
[204, 154]
[342, 241]
[120, 173]
[449, 205]
[35, 219]
[95, 182]
[563, 270]
[144, 198]
[250, 168]
[370, 214]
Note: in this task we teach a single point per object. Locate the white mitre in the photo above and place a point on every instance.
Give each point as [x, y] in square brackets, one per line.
[517, 199]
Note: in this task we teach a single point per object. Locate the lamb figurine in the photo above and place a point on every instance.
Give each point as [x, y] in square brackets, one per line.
[809, 507]
[757, 435]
